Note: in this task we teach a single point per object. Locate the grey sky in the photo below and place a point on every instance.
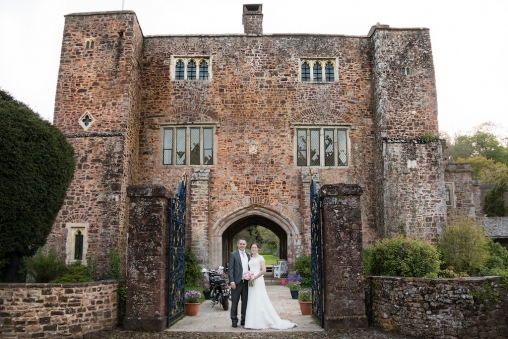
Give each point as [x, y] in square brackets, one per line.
[468, 40]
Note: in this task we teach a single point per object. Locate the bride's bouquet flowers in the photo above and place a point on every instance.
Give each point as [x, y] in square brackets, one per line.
[249, 276]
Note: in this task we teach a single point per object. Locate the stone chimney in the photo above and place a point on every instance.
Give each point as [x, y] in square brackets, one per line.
[252, 19]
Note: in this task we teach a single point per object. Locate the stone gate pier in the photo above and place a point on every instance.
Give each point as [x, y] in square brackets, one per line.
[344, 287]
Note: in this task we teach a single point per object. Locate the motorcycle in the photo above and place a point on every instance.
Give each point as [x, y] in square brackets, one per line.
[219, 290]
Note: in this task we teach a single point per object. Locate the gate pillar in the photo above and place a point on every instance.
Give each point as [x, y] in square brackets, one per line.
[147, 258]
[344, 293]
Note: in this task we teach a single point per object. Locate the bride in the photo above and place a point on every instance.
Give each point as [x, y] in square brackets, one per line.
[260, 311]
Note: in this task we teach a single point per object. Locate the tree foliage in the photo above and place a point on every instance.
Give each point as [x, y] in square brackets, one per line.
[35, 171]
[482, 143]
[494, 204]
[486, 170]
[463, 244]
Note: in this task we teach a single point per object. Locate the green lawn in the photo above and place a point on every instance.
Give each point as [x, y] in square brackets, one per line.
[270, 259]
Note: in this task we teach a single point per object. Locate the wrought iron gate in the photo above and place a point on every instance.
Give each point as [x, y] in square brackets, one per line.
[176, 269]
[316, 254]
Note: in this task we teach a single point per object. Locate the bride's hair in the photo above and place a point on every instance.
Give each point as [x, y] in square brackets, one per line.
[255, 243]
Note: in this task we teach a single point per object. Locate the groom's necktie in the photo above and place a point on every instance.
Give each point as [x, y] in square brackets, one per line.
[243, 253]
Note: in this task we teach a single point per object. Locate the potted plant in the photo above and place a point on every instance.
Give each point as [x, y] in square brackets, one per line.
[206, 289]
[305, 300]
[293, 282]
[192, 302]
[283, 278]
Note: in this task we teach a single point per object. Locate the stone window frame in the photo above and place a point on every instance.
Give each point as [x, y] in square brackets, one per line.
[323, 62]
[405, 70]
[82, 119]
[90, 43]
[72, 230]
[452, 201]
[172, 151]
[322, 128]
[186, 60]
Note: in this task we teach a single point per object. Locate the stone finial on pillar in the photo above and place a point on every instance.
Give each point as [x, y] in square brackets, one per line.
[252, 19]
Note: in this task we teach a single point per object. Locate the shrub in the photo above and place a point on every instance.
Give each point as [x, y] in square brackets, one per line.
[115, 264]
[303, 267]
[463, 245]
[44, 267]
[497, 262]
[403, 257]
[76, 273]
[192, 270]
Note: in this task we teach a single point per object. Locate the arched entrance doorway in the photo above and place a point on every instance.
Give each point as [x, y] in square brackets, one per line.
[228, 236]
[223, 232]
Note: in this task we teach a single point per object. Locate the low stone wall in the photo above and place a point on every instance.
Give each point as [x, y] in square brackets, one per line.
[57, 310]
[440, 308]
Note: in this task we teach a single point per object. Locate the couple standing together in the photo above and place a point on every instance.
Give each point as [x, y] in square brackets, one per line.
[258, 313]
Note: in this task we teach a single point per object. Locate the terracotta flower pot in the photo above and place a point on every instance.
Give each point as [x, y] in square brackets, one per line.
[192, 309]
[305, 307]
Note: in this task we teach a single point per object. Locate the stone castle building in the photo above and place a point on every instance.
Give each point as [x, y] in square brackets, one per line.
[247, 119]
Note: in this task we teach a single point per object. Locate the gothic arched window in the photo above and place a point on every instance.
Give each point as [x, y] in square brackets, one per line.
[317, 72]
[191, 70]
[203, 70]
[329, 72]
[180, 70]
[305, 72]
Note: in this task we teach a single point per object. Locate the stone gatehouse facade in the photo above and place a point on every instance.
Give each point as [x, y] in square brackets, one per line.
[246, 119]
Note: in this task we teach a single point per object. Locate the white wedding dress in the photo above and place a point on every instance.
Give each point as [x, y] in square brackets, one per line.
[260, 311]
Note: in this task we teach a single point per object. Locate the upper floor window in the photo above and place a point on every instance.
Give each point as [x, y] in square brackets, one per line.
[317, 66]
[322, 146]
[405, 70]
[89, 43]
[191, 68]
[188, 145]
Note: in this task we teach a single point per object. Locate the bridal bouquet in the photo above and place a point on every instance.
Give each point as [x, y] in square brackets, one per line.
[249, 276]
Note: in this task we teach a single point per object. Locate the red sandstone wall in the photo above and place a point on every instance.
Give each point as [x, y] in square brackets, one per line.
[103, 81]
[255, 96]
[56, 310]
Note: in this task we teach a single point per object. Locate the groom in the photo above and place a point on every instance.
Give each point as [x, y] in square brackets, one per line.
[238, 264]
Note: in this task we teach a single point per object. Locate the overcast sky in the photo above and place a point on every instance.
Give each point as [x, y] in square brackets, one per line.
[469, 42]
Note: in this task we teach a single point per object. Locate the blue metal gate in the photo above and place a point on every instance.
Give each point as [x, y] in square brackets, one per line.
[316, 254]
[176, 270]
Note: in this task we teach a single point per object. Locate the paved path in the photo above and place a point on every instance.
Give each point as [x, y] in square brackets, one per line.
[215, 319]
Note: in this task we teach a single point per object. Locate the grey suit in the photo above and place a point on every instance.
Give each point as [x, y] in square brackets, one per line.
[235, 272]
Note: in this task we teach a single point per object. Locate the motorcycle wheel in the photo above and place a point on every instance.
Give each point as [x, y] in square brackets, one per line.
[225, 303]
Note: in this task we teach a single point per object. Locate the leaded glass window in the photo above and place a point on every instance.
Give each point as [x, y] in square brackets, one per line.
[180, 70]
[314, 148]
[332, 143]
[191, 70]
[203, 70]
[305, 72]
[342, 147]
[168, 147]
[329, 72]
[301, 147]
[329, 147]
[192, 145]
[181, 146]
[318, 72]
[207, 146]
[316, 65]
